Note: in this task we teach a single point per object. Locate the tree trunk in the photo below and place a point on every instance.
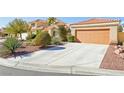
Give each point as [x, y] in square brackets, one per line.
[20, 36]
[13, 52]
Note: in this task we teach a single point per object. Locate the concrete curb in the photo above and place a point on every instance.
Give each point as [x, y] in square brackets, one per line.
[77, 70]
[72, 70]
[8, 63]
[97, 71]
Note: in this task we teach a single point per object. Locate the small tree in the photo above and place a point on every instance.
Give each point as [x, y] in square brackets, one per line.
[12, 44]
[62, 32]
[42, 38]
[17, 26]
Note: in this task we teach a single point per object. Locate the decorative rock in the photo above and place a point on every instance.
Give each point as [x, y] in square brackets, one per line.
[121, 55]
[116, 47]
[117, 52]
[121, 50]
[119, 46]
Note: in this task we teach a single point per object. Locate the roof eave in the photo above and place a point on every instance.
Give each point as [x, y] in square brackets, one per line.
[96, 24]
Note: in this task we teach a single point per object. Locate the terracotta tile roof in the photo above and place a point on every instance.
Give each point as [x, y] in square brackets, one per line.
[38, 28]
[39, 22]
[60, 23]
[49, 28]
[44, 22]
[96, 20]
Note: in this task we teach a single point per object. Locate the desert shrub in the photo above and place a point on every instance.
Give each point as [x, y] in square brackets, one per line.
[11, 44]
[56, 41]
[70, 38]
[42, 38]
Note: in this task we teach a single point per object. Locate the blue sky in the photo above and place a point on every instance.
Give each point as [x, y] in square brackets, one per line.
[5, 20]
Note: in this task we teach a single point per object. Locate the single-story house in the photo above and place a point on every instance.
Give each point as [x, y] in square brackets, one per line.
[96, 30]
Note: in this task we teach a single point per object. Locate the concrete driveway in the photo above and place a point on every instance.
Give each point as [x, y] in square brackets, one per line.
[70, 54]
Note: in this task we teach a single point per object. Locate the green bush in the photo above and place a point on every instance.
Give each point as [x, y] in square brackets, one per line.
[27, 42]
[56, 41]
[42, 38]
[38, 31]
[70, 38]
[62, 33]
[120, 28]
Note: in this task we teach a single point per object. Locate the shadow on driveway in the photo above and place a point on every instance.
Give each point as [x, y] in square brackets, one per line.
[55, 48]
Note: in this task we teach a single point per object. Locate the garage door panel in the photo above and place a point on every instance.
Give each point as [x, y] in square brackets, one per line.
[93, 36]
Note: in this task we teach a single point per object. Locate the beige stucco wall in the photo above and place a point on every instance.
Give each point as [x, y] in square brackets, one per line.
[114, 34]
[112, 27]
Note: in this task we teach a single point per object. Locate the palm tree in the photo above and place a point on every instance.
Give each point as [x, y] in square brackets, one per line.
[17, 26]
[51, 20]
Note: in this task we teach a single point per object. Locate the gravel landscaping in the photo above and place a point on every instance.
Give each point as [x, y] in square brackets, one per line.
[112, 60]
[26, 50]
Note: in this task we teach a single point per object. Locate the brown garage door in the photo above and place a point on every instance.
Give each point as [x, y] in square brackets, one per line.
[98, 36]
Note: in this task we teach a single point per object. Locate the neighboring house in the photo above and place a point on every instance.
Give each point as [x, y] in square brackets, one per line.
[42, 25]
[49, 29]
[0, 32]
[24, 36]
[38, 24]
[1, 29]
[96, 30]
